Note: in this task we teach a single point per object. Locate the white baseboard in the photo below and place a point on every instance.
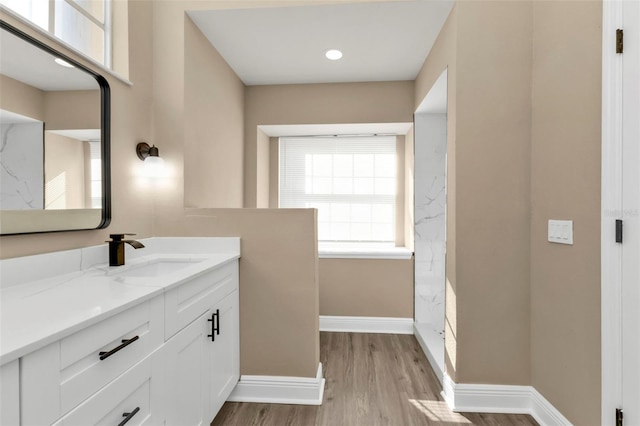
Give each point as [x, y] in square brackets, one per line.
[501, 399]
[544, 412]
[280, 389]
[366, 324]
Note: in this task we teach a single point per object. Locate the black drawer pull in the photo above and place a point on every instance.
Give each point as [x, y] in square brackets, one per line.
[128, 416]
[215, 325]
[104, 355]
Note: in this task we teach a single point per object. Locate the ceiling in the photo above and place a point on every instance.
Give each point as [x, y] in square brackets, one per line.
[381, 41]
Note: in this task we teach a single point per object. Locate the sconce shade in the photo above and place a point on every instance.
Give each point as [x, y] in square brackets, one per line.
[153, 164]
[144, 151]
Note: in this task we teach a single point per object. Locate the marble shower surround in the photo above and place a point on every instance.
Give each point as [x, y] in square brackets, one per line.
[21, 166]
[430, 218]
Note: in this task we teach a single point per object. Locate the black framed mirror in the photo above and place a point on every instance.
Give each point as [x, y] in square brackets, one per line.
[55, 137]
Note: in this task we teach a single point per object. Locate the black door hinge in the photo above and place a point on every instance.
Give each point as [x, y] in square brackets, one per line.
[619, 40]
[618, 230]
[619, 417]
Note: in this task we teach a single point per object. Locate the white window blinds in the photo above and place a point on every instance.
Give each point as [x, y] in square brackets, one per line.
[350, 180]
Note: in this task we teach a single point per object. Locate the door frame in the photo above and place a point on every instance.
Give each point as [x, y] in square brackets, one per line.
[611, 204]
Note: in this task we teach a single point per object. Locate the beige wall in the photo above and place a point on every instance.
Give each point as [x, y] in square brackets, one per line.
[213, 119]
[565, 280]
[21, 98]
[389, 102]
[493, 191]
[278, 283]
[366, 287]
[521, 310]
[78, 109]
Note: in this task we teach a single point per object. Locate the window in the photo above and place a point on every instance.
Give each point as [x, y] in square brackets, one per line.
[95, 166]
[83, 24]
[350, 180]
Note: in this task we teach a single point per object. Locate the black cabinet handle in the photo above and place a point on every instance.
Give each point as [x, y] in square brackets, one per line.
[128, 416]
[105, 355]
[215, 325]
[619, 225]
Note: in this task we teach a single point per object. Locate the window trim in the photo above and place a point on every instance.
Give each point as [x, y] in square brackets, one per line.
[388, 253]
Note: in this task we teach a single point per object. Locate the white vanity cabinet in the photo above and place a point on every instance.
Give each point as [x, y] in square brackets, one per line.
[202, 357]
[170, 359]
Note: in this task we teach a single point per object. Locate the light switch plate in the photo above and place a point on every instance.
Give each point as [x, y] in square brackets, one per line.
[560, 232]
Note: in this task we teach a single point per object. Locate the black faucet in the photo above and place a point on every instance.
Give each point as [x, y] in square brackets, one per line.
[116, 248]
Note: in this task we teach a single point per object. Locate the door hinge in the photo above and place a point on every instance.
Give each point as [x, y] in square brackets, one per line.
[619, 40]
[618, 230]
[619, 417]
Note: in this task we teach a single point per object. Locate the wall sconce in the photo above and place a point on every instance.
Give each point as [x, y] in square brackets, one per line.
[153, 164]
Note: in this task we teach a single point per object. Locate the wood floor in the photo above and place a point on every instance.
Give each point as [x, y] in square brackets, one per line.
[372, 379]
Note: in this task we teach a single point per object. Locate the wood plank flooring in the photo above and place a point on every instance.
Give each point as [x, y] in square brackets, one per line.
[372, 379]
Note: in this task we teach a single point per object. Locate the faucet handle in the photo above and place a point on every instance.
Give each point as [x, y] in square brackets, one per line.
[118, 237]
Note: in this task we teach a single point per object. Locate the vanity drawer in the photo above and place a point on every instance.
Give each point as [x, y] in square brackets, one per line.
[60, 376]
[187, 302]
[135, 394]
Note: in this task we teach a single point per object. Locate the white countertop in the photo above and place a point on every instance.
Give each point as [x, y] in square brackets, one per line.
[36, 313]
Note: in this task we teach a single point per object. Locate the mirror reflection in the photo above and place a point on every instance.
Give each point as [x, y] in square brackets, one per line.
[51, 140]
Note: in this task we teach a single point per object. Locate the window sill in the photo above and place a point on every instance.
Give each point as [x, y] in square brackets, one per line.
[389, 253]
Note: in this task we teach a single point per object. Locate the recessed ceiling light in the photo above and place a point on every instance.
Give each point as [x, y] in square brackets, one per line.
[63, 63]
[333, 54]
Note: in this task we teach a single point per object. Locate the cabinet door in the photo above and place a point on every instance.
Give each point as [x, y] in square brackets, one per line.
[224, 353]
[187, 372]
[10, 394]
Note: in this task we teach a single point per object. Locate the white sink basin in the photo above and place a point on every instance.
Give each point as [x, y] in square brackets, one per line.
[156, 268]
